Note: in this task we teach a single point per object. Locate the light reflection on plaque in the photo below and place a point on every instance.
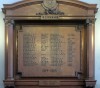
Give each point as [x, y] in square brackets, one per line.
[48, 50]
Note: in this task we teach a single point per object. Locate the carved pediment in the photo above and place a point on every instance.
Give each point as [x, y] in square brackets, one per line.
[50, 7]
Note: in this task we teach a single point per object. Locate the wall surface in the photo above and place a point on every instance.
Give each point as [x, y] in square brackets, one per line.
[97, 41]
[1, 49]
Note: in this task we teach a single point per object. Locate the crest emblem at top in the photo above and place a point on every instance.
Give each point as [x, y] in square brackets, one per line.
[50, 8]
[50, 4]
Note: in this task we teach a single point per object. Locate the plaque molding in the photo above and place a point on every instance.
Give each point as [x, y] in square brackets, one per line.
[79, 28]
[19, 28]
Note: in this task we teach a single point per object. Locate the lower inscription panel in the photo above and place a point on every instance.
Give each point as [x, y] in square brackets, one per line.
[49, 51]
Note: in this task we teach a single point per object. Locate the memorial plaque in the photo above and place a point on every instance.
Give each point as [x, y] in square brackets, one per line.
[49, 44]
[48, 51]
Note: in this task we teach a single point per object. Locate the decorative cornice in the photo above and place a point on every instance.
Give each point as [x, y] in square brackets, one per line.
[24, 3]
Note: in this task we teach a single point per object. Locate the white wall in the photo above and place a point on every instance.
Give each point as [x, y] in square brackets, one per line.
[1, 49]
[97, 41]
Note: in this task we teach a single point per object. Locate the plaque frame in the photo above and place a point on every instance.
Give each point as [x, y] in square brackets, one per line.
[69, 12]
